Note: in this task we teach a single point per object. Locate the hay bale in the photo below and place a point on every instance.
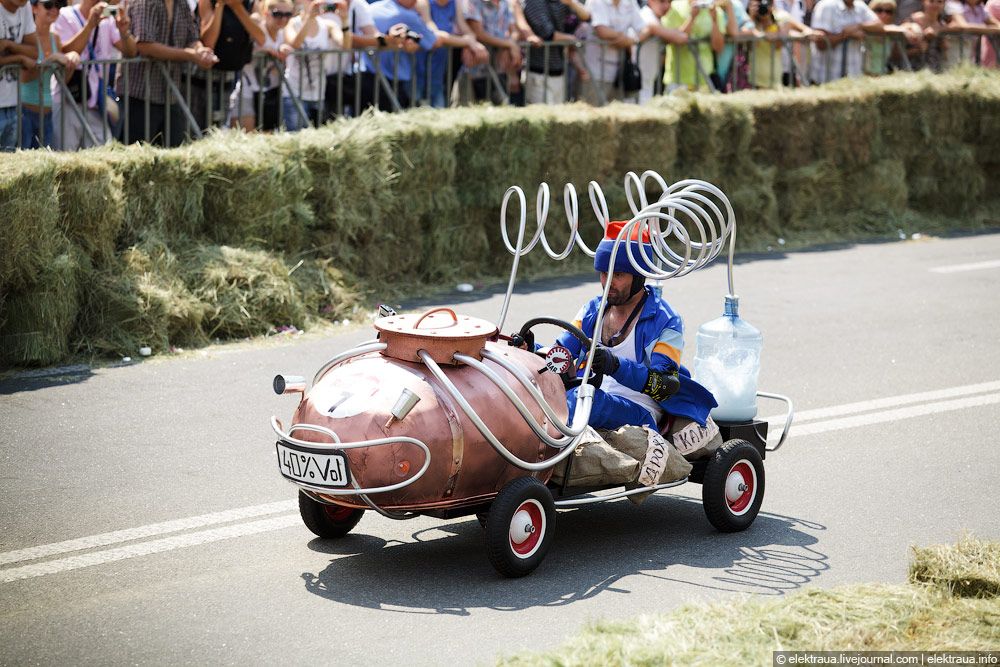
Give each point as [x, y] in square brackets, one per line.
[163, 192]
[38, 321]
[29, 234]
[91, 206]
[246, 292]
[139, 301]
[970, 568]
[254, 195]
[326, 292]
[808, 193]
[945, 178]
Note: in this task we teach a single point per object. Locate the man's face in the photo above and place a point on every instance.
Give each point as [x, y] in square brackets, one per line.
[621, 283]
[659, 7]
[406, 4]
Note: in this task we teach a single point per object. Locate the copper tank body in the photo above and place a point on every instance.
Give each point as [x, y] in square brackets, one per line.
[355, 399]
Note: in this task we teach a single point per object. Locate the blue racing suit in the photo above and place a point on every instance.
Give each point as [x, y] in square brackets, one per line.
[659, 339]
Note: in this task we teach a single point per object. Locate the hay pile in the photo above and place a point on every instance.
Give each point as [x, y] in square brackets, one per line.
[968, 569]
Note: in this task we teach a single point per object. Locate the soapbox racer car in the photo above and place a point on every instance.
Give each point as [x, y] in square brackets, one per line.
[439, 416]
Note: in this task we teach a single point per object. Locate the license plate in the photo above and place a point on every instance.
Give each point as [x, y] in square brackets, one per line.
[314, 467]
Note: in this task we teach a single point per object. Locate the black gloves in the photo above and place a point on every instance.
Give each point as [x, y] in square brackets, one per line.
[661, 386]
[526, 341]
[605, 362]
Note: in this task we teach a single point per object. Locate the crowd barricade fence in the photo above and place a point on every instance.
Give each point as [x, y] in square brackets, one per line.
[343, 82]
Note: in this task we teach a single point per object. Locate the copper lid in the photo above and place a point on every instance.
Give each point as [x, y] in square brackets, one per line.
[440, 332]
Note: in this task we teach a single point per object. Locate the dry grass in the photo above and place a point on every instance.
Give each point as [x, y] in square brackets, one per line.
[941, 615]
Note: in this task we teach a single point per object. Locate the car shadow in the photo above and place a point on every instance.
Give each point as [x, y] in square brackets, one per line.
[45, 378]
[445, 570]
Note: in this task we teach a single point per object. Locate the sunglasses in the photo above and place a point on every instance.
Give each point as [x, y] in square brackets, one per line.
[282, 15]
[884, 10]
[49, 5]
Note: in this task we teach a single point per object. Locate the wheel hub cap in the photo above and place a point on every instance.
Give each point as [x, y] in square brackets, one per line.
[527, 527]
[740, 487]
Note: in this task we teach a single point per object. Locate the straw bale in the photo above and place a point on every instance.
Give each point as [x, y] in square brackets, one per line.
[246, 292]
[38, 321]
[351, 167]
[29, 234]
[325, 291]
[253, 195]
[142, 301]
[646, 138]
[945, 178]
[970, 568]
[91, 206]
[808, 192]
[879, 187]
[163, 192]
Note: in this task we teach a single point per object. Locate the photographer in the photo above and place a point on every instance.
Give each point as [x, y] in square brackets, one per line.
[306, 33]
[406, 34]
[96, 31]
[772, 25]
[698, 19]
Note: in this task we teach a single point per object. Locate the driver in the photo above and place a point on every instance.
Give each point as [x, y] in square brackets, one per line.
[639, 349]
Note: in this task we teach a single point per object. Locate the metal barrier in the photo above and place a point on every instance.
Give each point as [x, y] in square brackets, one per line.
[317, 86]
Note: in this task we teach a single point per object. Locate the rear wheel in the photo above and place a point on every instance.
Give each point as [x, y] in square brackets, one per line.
[733, 488]
[519, 527]
[327, 521]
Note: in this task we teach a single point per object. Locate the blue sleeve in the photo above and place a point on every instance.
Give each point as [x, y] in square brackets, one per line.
[427, 36]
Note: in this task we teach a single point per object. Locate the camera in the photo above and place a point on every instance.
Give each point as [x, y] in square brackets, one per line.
[414, 35]
[110, 10]
[331, 6]
[703, 4]
[764, 8]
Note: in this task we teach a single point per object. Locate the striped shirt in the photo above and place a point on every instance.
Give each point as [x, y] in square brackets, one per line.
[546, 17]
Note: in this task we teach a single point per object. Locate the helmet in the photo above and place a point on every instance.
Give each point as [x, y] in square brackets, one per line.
[602, 258]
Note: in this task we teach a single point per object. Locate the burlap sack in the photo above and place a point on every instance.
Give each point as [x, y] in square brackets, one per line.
[612, 457]
[693, 440]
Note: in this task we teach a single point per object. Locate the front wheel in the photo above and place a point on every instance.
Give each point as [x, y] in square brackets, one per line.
[519, 527]
[733, 488]
[327, 521]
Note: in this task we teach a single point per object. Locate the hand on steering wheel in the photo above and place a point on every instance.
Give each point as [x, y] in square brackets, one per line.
[569, 377]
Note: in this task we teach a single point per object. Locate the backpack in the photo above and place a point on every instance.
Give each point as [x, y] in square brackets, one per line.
[234, 47]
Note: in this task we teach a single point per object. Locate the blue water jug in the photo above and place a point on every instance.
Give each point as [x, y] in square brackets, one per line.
[727, 363]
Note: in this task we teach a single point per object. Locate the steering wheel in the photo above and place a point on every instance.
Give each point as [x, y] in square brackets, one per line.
[569, 377]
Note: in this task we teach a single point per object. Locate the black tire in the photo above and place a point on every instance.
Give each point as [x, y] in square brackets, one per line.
[327, 521]
[481, 517]
[736, 464]
[524, 501]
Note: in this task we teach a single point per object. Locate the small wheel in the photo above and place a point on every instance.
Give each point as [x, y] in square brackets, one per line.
[327, 521]
[519, 527]
[733, 488]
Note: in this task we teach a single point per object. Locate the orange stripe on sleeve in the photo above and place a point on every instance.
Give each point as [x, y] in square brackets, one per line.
[668, 350]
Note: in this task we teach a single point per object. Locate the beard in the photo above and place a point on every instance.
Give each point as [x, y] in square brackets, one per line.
[616, 298]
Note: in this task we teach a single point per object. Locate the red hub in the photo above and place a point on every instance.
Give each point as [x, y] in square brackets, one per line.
[527, 527]
[741, 483]
[338, 513]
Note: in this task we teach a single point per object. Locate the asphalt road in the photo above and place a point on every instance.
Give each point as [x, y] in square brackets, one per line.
[175, 540]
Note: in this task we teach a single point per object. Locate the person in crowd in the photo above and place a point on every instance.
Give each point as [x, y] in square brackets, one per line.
[359, 31]
[437, 70]
[227, 27]
[166, 31]
[619, 26]
[261, 77]
[932, 22]
[991, 42]
[639, 350]
[545, 79]
[843, 25]
[771, 25]
[399, 19]
[492, 22]
[979, 21]
[18, 50]
[651, 48]
[698, 19]
[886, 55]
[306, 33]
[94, 30]
[734, 52]
[36, 83]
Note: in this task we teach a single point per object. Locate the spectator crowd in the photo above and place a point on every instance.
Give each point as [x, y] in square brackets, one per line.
[72, 76]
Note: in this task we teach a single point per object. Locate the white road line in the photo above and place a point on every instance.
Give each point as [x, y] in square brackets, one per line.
[976, 266]
[833, 419]
[890, 402]
[147, 548]
[893, 415]
[130, 534]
